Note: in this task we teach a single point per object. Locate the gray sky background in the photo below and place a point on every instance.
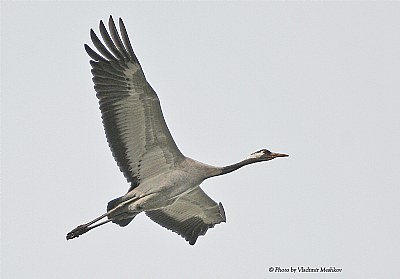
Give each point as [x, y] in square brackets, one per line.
[318, 81]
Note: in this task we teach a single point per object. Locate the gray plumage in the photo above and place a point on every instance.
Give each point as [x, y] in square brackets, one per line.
[163, 182]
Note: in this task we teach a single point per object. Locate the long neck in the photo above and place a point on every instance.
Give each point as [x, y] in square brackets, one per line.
[231, 168]
[207, 171]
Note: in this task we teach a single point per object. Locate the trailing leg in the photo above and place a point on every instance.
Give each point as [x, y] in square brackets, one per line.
[81, 229]
[114, 214]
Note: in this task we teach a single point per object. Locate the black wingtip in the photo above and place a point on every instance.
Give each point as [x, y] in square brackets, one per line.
[111, 20]
[92, 33]
[101, 25]
[126, 41]
[222, 212]
[121, 22]
[92, 53]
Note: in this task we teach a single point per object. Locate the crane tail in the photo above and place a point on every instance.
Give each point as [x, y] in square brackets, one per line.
[114, 203]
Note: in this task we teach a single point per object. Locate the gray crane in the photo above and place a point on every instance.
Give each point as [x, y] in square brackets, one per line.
[164, 184]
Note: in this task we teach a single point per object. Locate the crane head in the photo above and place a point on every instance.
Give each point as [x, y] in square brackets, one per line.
[265, 155]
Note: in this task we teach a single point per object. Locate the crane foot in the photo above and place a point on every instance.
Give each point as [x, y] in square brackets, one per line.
[79, 230]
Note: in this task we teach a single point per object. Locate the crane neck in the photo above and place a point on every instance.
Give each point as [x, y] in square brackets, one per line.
[207, 171]
[231, 168]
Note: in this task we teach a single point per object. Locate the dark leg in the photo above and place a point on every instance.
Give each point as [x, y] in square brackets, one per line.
[79, 230]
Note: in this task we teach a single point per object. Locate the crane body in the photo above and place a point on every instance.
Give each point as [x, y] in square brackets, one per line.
[164, 184]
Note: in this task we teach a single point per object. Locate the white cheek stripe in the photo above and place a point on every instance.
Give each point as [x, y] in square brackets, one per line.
[255, 155]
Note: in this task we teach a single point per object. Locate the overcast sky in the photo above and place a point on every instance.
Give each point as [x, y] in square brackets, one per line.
[318, 81]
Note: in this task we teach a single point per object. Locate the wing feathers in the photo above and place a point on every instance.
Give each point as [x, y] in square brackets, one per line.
[93, 54]
[107, 70]
[100, 47]
[190, 216]
[133, 121]
[117, 39]
[103, 80]
[125, 38]
[109, 43]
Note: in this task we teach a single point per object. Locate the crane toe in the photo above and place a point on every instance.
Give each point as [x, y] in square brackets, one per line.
[79, 230]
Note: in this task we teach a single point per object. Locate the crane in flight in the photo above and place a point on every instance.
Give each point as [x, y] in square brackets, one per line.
[164, 184]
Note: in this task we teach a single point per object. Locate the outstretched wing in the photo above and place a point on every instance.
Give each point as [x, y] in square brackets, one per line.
[190, 216]
[136, 131]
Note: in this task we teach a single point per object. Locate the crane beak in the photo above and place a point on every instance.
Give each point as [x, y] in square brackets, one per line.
[275, 155]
